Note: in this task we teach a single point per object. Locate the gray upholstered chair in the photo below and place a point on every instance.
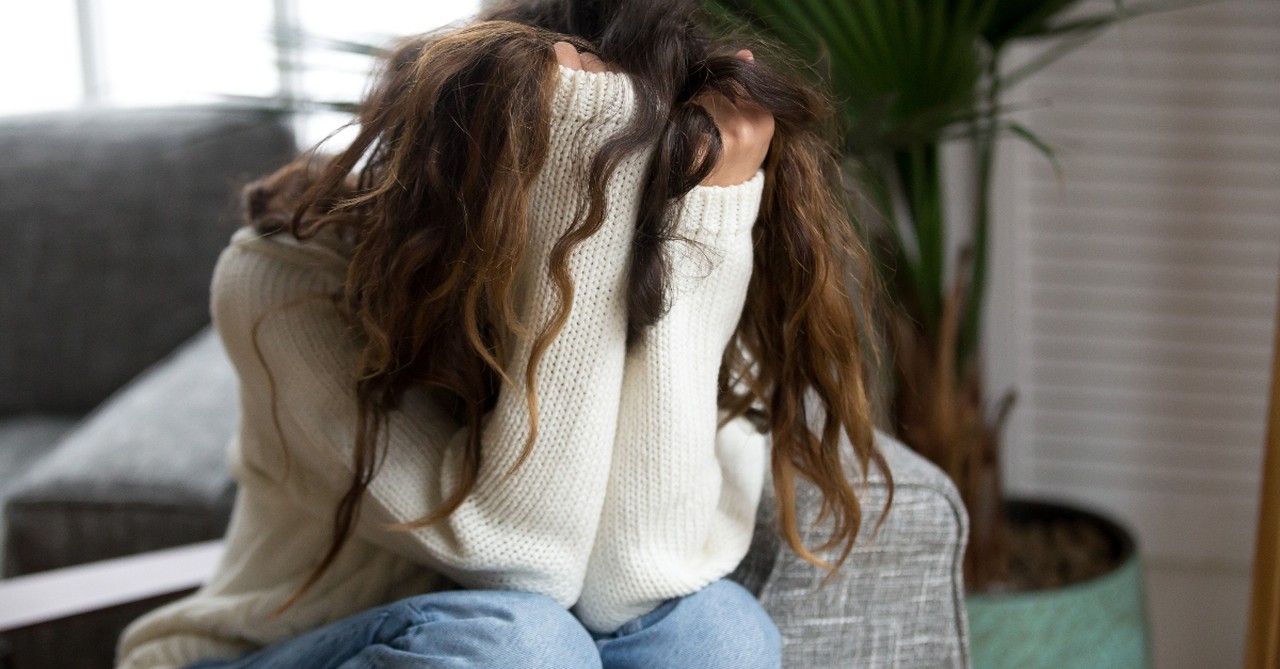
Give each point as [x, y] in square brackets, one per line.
[113, 223]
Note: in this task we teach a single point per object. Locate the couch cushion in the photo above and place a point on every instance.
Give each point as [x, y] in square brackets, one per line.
[22, 441]
[145, 471]
[112, 222]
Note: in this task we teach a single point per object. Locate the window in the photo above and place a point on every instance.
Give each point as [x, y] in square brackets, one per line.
[41, 56]
[69, 53]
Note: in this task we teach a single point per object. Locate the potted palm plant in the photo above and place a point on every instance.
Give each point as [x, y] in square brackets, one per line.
[911, 77]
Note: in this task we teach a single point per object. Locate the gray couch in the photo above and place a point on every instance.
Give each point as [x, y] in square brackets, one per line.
[113, 223]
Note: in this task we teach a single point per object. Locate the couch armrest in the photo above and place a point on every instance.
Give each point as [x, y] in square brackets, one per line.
[899, 600]
[61, 593]
[147, 470]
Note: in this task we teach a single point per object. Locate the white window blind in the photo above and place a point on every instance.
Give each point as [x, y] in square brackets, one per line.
[1141, 292]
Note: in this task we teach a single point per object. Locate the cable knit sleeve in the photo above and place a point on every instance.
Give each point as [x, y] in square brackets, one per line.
[682, 495]
[532, 531]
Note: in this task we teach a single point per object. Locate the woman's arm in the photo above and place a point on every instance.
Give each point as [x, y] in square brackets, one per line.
[682, 493]
[682, 496]
[532, 530]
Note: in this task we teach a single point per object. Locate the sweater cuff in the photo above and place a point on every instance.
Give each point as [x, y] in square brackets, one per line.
[708, 212]
[599, 96]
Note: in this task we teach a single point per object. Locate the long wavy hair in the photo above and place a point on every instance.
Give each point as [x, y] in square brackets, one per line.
[451, 136]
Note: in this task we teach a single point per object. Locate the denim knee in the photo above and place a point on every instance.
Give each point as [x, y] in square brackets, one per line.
[507, 628]
[734, 615]
[722, 625]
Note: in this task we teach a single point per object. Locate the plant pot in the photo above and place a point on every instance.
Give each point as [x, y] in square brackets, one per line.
[1098, 623]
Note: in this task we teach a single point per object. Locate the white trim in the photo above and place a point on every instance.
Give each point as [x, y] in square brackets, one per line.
[60, 593]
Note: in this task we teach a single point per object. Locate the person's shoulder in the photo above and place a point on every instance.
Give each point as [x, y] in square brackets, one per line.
[259, 274]
[328, 251]
[603, 97]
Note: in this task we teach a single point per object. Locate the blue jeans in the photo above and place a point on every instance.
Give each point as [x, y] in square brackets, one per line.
[721, 625]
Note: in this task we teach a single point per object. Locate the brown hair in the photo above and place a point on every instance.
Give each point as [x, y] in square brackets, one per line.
[453, 133]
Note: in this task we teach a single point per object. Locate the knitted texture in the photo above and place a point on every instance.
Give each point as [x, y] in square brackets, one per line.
[681, 502]
[275, 308]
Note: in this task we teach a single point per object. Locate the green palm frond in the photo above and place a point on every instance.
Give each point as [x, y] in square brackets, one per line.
[908, 75]
[1014, 19]
[901, 70]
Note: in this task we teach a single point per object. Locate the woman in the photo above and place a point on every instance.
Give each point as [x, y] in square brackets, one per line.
[500, 390]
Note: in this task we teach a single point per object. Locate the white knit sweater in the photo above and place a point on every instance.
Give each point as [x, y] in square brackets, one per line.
[631, 494]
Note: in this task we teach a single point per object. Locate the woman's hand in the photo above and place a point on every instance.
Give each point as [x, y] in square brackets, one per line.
[568, 56]
[746, 129]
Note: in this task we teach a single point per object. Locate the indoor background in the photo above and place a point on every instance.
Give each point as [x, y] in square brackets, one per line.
[1135, 291]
